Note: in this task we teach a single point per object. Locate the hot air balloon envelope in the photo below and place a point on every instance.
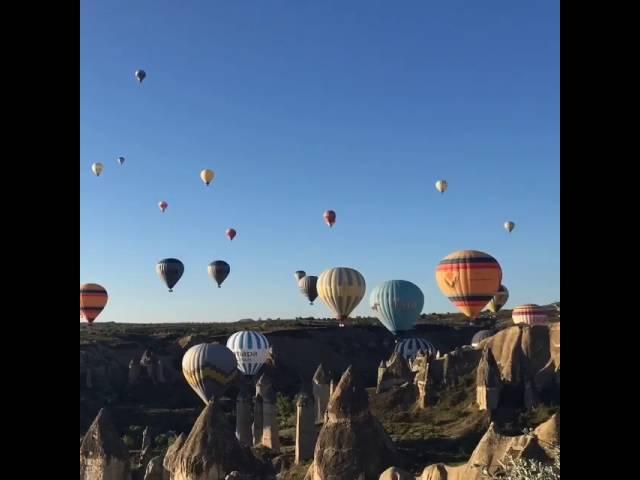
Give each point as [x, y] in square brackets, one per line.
[209, 369]
[397, 304]
[341, 289]
[251, 350]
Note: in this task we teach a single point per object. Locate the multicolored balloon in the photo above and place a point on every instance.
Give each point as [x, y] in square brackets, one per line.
[120, 160]
[299, 274]
[140, 75]
[308, 286]
[529, 314]
[251, 350]
[499, 299]
[219, 270]
[442, 185]
[97, 168]
[163, 205]
[341, 289]
[397, 304]
[409, 348]
[480, 336]
[231, 233]
[209, 369]
[330, 218]
[207, 176]
[93, 298]
[509, 226]
[170, 270]
[470, 279]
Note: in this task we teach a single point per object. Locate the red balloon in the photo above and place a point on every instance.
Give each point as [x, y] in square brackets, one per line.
[231, 233]
[163, 205]
[330, 217]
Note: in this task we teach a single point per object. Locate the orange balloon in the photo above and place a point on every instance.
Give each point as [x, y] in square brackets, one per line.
[93, 298]
[470, 279]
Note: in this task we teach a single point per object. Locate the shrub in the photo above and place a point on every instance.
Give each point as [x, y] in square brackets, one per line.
[525, 469]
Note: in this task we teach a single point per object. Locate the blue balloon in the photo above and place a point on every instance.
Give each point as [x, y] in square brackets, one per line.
[397, 304]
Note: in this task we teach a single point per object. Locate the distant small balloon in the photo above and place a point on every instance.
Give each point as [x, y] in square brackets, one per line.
[97, 168]
[509, 226]
[299, 274]
[442, 185]
[330, 217]
[140, 75]
[120, 160]
[207, 176]
[163, 205]
[231, 233]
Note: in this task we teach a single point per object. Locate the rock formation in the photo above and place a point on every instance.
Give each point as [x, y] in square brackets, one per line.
[320, 385]
[134, 372]
[168, 462]
[258, 414]
[103, 455]
[394, 473]
[422, 380]
[243, 419]
[270, 430]
[352, 443]
[211, 450]
[154, 470]
[306, 433]
[494, 448]
[396, 373]
[488, 384]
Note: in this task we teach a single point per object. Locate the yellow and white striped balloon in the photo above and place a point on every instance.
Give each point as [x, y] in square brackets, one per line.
[341, 289]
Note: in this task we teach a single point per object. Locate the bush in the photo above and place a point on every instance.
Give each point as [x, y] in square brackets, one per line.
[285, 408]
[129, 441]
[526, 469]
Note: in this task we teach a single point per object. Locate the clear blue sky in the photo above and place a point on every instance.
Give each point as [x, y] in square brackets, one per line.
[303, 106]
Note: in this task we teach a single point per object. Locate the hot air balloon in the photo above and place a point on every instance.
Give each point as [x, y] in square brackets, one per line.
[163, 205]
[469, 279]
[341, 289]
[509, 226]
[140, 75]
[209, 369]
[251, 350]
[409, 348]
[529, 314]
[397, 304]
[219, 270]
[120, 160]
[308, 287]
[231, 233]
[207, 176]
[499, 299]
[97, 168]
[480, 336]
[330, 217]
[442, 185]
[299, 274]
[93, 298]
[170, 271]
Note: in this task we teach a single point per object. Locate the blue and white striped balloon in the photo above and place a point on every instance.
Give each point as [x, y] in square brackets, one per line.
[251, 350]
[409, 348]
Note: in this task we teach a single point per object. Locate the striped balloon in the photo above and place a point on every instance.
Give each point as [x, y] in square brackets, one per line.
[251, 350]
[93, 298]
[409, 348]
[499, 299]
[308, 286]
[480, 336]
[341, 289]
[209, 369]
[469, 279]
[170, 271]
[397, 304]
[529, 314]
